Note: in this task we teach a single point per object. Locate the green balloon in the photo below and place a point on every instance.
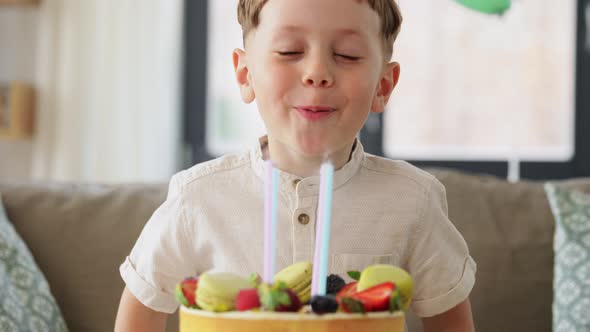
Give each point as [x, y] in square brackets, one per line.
[487, 6]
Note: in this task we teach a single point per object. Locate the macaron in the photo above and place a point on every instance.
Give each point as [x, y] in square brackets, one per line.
[218, 291]
[298, 278]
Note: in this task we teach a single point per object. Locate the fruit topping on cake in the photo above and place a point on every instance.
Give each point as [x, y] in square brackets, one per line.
[186, 292]
[379, 288]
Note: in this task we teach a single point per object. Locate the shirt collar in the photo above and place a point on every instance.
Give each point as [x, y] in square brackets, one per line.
[310, 184]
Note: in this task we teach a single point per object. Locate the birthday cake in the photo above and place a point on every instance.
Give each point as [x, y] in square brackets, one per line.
[375, 301]
[301, 297]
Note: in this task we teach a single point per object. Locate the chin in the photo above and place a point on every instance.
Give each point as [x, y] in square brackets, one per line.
[313, 148]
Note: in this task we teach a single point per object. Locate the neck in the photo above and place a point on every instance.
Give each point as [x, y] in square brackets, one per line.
[293, 162]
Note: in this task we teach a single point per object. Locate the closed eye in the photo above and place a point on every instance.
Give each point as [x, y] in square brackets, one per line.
[348, 57]
[289, 53]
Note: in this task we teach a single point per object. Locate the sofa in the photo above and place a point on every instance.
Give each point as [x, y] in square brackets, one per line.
[80, 233]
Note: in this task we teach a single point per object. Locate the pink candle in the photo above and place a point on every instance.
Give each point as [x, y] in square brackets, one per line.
[270, 220]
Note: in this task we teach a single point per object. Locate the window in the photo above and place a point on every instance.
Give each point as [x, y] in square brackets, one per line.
[482, 87]
[518, 83]
[232, 125]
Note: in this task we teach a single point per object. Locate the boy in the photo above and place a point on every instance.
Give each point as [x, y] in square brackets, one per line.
[316, 68]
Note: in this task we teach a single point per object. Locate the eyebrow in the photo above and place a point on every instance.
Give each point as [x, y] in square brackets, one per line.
[344, 32]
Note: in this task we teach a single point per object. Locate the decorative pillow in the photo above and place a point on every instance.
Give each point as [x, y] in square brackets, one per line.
[26, 304]
[571, 282]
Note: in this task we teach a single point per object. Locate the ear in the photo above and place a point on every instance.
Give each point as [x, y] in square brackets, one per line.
[387, 82]
[243, 75]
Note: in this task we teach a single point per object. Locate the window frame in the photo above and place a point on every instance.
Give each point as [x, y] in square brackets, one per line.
[194, 94]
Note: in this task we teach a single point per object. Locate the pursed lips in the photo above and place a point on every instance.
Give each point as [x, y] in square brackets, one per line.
[314, 113]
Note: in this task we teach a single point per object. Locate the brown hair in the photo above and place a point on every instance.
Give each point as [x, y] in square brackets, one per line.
[388, 11]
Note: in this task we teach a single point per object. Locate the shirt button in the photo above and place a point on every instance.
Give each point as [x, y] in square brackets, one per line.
[303, 219]
[296, 182]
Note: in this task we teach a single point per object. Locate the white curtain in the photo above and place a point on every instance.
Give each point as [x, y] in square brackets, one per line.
[109, 90]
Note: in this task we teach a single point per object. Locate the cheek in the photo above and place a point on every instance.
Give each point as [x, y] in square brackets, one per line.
[360, 89]
[274, 81]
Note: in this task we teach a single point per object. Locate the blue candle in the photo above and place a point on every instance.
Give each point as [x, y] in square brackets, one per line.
[322, 243]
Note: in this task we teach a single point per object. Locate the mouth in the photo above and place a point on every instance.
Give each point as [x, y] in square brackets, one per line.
[314, 113]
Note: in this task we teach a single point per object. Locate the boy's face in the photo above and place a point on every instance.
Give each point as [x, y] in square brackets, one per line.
[316, 69]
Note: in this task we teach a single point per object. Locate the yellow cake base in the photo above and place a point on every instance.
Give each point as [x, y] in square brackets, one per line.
[202, 321]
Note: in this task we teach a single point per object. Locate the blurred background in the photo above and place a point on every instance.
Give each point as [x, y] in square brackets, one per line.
[134, 91]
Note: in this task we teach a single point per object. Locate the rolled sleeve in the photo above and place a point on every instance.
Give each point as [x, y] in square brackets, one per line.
[145, 293]
[440, 264]
[162, 256]
[450, 299]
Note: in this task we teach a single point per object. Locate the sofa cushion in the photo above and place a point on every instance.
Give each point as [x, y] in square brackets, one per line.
[509, 230]
[571, 304]
[79, 234]
[26, 302]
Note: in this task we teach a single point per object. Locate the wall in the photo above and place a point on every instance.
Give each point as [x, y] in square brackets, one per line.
[18, 32]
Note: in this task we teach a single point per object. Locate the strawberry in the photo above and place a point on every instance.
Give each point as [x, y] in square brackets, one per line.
[347, 290]
[277, 297]
[395, 302]
[247, 299]
[377, 298]
[186, 292]
[294, 304]
[348, 304]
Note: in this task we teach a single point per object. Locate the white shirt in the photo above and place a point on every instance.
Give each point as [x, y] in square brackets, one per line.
[384, 211]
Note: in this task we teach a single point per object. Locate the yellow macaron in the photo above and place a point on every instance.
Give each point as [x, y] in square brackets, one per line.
[298, 278]
[218, 291]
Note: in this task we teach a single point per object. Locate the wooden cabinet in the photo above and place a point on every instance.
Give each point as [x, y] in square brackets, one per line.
[16, 110]
[17, 99]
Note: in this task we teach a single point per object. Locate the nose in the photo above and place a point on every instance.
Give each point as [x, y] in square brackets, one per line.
[318, 73]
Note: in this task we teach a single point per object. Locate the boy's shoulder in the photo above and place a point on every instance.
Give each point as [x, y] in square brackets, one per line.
[224, 165]
[398, 170]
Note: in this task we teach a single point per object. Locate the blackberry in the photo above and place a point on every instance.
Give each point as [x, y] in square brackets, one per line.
[334, 284]
[324, 304]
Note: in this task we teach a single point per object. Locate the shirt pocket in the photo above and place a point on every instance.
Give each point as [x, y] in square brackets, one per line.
[342, 263]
